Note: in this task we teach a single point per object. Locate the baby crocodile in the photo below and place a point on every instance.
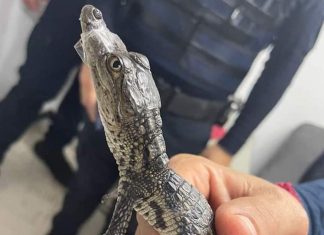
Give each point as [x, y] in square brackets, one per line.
[129, 106]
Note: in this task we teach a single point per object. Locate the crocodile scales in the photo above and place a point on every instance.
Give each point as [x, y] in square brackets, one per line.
[129, 106]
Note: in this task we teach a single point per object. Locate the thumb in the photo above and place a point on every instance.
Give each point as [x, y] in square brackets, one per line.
[238, 217]
[268, 214]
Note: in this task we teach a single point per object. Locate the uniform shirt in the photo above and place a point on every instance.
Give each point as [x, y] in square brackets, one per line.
[296, 38]
[206, 47]
[312, 195]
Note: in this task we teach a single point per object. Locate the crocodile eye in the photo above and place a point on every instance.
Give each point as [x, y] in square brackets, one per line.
[114, 63]
[97, 14]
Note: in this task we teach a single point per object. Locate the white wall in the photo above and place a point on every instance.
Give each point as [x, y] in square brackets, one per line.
[303, 102]
[15, 26]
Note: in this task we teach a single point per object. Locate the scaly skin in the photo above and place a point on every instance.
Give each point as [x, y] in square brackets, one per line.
[129, 106]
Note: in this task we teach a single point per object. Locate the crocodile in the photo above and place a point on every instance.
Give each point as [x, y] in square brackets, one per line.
[129, 107]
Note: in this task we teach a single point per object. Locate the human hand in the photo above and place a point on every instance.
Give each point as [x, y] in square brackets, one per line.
[34, 5]
[243, 204]
[217, 154]
[87, 93]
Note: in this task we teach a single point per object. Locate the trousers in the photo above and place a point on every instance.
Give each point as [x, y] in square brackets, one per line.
[50, 57]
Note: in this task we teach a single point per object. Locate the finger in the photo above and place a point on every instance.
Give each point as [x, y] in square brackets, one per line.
[217, 183]
[193, 169]
[261, 215]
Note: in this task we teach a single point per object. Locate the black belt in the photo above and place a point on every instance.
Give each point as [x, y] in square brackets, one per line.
[183, 105]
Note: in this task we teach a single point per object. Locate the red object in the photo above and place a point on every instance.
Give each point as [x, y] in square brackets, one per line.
[217, 132]
[289, 188]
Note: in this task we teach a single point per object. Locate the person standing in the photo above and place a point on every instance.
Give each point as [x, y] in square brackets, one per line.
[50, 58]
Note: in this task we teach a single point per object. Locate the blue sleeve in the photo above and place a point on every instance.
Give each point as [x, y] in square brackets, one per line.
[312, 195]
[296, 37]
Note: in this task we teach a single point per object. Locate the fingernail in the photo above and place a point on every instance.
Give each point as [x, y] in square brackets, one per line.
[248, 225]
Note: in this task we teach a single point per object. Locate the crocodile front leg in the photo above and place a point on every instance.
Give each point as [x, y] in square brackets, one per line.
[123, 210]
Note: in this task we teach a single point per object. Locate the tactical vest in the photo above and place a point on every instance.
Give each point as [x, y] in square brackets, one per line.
[205, 47]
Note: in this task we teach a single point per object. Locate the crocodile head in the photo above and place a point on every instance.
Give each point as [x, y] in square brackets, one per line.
[123, 81]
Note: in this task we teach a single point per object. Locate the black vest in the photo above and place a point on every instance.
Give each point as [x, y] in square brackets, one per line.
[204, 46]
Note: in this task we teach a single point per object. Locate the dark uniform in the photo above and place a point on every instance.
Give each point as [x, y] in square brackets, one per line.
[50, 58]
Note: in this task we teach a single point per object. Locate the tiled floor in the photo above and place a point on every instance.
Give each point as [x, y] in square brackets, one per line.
[29, 196]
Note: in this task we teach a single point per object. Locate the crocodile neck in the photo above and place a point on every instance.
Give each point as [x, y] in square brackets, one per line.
[139, 144]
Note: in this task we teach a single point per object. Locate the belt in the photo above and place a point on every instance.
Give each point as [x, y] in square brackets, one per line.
[183, 105]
